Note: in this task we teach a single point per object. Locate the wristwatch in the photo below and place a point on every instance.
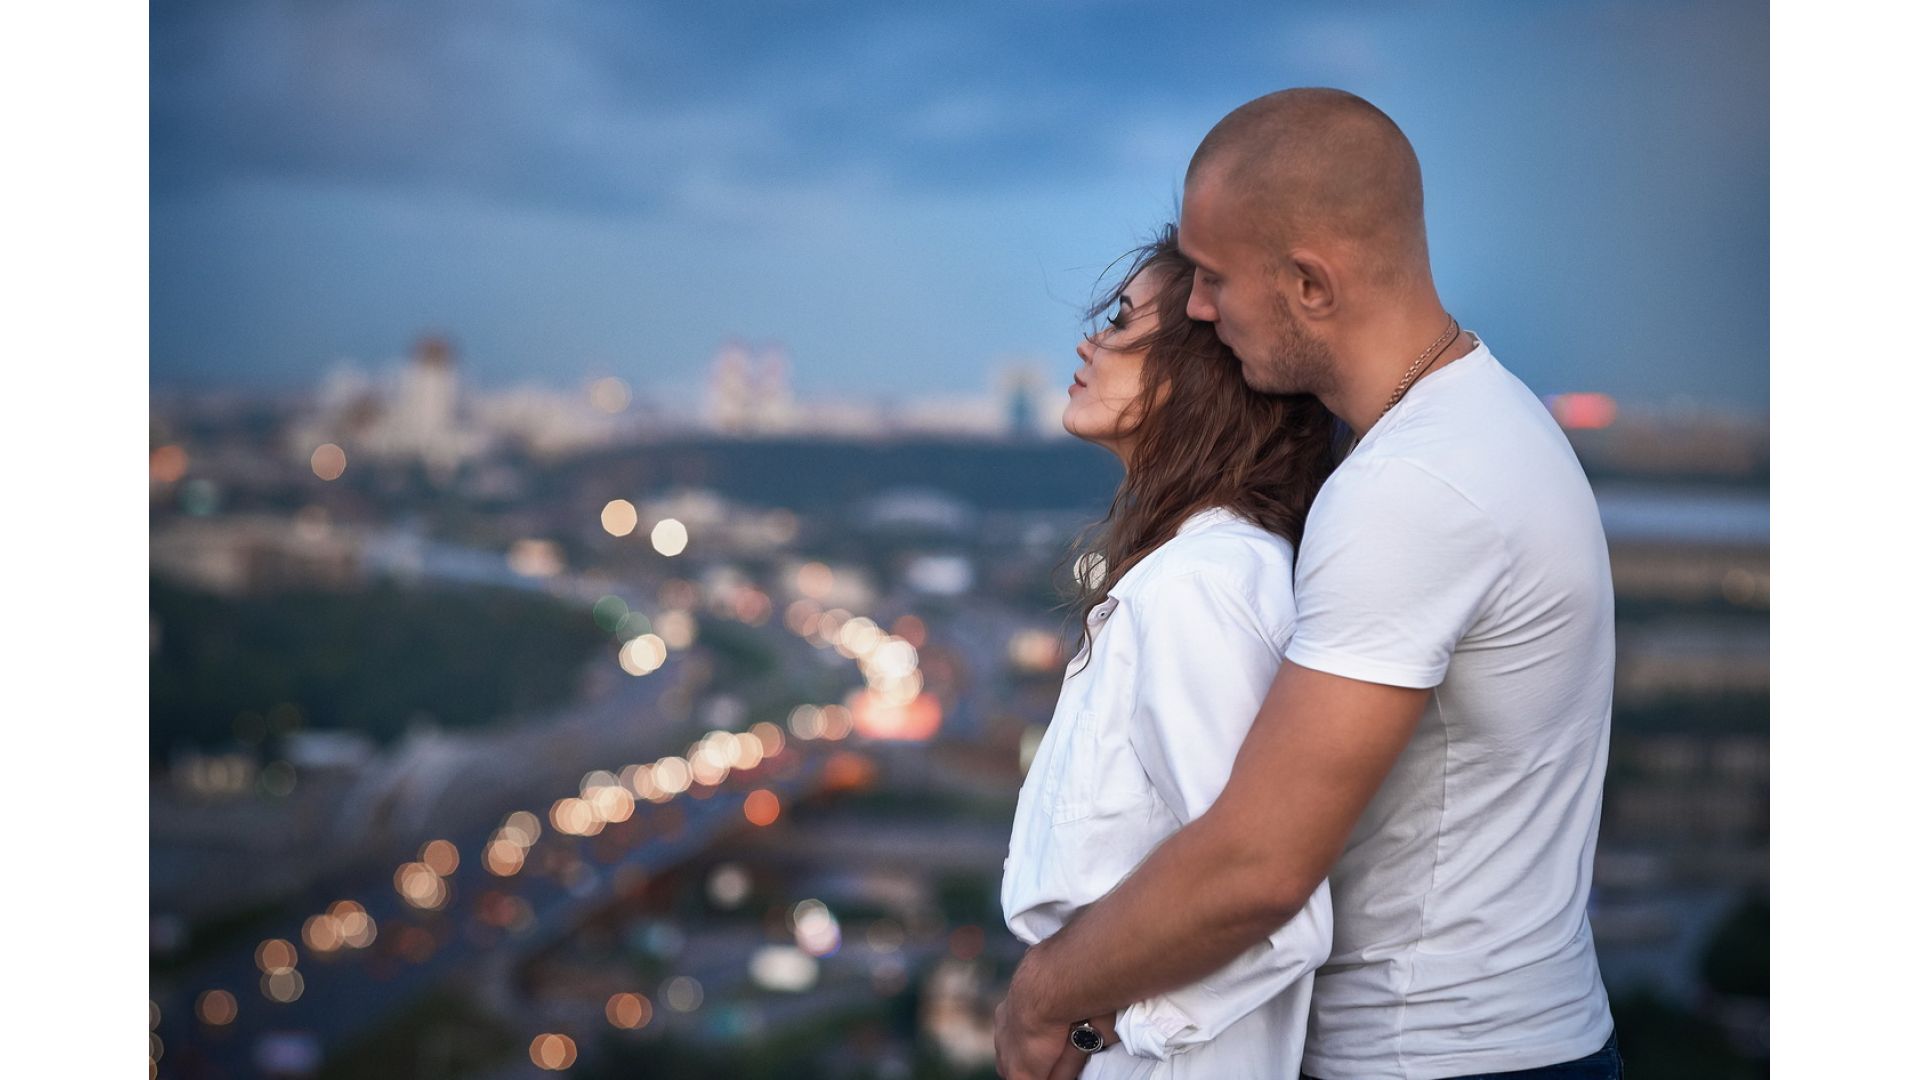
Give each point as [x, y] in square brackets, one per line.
[1084, 1036]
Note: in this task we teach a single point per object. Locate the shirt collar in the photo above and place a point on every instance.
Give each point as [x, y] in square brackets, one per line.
[1206, 519]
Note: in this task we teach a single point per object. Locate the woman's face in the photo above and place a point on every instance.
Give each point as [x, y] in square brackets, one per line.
[1108, 381]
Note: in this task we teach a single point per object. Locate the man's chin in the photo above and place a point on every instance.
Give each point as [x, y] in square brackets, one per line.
[1266, 382]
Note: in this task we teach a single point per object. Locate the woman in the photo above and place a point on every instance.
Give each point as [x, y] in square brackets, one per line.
[1186, 605]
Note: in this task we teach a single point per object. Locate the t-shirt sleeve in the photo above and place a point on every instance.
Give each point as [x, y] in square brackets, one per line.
[1395, 568]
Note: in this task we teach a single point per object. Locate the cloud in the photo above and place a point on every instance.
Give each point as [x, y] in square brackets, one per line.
[595, 107]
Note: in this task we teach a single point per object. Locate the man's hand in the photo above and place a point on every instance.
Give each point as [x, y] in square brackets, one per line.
[1029, 1047]
[1315, 755]
[1026, 1046]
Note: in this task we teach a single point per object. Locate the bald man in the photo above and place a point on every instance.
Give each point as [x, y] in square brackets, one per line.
[1435, 741]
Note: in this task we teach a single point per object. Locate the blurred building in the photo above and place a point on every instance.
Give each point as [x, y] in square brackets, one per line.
[249, 554]
[420, 415]
[748, 392]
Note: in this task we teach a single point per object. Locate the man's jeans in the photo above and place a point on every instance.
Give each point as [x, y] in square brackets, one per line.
[1602, 1064]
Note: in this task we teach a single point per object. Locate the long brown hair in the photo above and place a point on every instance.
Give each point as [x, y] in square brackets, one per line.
[1202, 437]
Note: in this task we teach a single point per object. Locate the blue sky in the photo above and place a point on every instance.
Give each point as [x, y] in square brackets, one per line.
[908, 196]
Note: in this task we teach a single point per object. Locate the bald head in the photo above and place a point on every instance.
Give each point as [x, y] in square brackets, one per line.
[1318, 166]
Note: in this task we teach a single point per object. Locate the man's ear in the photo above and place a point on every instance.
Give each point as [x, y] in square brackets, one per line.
[1308, 281]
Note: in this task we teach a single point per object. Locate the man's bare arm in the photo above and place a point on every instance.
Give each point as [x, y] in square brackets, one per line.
[1318, 750]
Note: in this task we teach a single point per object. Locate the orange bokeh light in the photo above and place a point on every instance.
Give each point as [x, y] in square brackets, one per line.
[167, 464]
[440, 856]
[629, 1011]
[910, 628]
[763, 807]
[552, 1052]
[276, 955]
[328, 461]
[216, 1008]
[916, 721]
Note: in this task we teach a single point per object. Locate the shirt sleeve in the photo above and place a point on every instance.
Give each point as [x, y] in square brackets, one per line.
[1205, 663]
[1394, 571]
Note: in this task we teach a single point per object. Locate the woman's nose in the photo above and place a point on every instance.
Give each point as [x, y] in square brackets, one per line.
[1084, 350]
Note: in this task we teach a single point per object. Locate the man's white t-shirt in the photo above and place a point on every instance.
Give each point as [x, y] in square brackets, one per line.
[1459, 548]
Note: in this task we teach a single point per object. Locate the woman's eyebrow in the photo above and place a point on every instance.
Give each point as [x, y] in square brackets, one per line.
[1126, 301]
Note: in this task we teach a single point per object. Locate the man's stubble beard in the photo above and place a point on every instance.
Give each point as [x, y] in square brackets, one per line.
[1297, 363]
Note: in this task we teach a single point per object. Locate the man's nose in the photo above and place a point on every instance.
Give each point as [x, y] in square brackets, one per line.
[1200, 305]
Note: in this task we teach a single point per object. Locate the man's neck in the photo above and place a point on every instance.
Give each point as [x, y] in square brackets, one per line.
[1374, 360]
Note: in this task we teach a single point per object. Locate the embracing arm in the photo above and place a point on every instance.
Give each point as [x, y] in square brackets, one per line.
[1318, 750]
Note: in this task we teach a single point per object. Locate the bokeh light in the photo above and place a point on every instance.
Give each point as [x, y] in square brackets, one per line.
[275, 955]
[322, 933]
[814, 580]
[643, 655]
[1583, 412]
[629, 1011]
[772, 742]
[729, 886]
[805, 722]
[440, 856]
[877, 717]
[357, 928]
[677, 629]
[609, 612]
[1035, 651]
[535, 558]
[684, 993]
[610, 394]
[762, 807]
[553, 1052]
[783, 968]
[669, 537]
[673, 775]
[619, 517]
[216, 1008]
[814, 928]
[836, 722]
[521, 827]
[419, 886]
[911, 629]
[747, 750]
[575, 817]
[503, 858]
[167, 464]
[284, 987]
[328, 461]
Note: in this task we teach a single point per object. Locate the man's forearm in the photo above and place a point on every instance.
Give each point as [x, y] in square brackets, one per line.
[1198, 901]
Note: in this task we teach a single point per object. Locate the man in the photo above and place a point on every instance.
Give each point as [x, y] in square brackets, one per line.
[1435, 741]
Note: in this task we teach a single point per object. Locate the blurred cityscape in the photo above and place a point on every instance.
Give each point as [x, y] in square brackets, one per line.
[498, 734]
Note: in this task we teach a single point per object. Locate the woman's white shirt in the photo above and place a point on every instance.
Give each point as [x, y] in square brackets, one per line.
[1150, 717]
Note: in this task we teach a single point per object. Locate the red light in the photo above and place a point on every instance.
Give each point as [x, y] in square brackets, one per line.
[1583, 412]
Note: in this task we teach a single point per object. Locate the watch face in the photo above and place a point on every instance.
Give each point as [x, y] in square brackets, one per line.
[1086, 1038]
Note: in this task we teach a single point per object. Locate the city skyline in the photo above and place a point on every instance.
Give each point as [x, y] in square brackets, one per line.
[910, 200]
